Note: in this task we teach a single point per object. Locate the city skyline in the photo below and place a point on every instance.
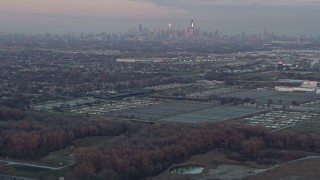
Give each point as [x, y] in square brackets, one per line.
[229, 16]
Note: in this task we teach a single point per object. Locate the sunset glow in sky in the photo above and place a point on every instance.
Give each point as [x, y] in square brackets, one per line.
[104, 8]
[229, 16]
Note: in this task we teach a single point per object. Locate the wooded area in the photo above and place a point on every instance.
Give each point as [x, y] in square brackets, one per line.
[153, 149]
[146, 150]
[33, 135]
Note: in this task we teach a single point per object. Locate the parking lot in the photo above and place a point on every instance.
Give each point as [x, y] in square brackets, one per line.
[113, 106]
[277, 119]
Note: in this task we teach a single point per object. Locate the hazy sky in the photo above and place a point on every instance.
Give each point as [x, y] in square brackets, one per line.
[229, 16]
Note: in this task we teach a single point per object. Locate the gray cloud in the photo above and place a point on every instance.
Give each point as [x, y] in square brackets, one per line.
[233, 2]
[215, 6]
[211, 7]
[206, 2]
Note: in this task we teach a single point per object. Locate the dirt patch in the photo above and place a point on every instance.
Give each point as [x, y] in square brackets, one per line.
[229, 172]
[211, 159]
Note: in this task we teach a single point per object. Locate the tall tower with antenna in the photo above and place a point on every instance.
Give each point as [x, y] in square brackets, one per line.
[190, 29]
[192, 24]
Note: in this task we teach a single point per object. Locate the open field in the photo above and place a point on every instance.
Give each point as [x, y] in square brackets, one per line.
[164, 110]
[304, 169]
[212, 114]
[309, 125]
[3, 163]
[29, 169]
[57, 158]
[263, 96]
[35, 169]
[191, 112]
[58, 162]
[312, 104]
[41, 174]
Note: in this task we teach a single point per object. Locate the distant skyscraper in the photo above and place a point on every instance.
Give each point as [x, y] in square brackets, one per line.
[192, 24]
[190, 29]
[170, 26]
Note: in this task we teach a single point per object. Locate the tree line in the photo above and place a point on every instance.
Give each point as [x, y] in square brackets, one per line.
[33, 135]
[145, 149]
[155, 148]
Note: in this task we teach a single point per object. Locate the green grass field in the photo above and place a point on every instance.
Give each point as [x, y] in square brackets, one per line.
[57, 158]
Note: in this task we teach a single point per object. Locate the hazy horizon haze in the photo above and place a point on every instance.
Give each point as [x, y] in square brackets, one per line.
[292, 17]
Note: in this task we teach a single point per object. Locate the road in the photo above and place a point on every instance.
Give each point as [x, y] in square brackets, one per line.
[34, 165]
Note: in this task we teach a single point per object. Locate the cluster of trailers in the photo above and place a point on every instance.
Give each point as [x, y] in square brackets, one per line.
[278, 119]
